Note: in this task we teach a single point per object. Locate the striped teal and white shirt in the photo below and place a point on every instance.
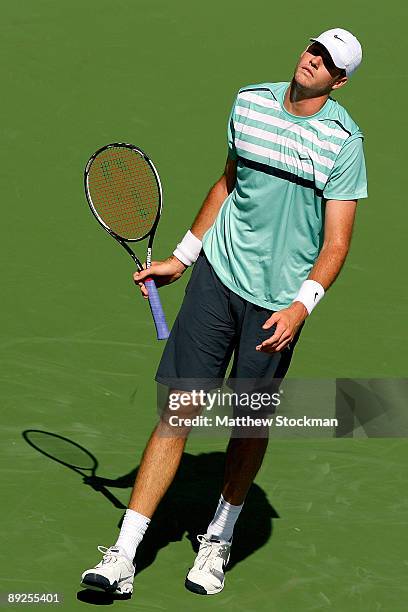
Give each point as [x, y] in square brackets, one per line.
[269, 230]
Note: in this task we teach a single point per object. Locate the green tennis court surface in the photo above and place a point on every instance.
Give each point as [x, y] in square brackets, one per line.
[325, 524]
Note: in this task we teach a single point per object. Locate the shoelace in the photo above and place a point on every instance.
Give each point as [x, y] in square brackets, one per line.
[209, 552]
[108, 554]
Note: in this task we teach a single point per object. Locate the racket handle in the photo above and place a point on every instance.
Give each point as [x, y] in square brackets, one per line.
[157, 310]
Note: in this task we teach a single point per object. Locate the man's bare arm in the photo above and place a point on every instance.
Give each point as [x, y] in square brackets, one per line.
[171, 269]
[214, 200]
[338, 228]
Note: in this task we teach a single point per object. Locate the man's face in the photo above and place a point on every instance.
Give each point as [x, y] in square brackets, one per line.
[316, 71]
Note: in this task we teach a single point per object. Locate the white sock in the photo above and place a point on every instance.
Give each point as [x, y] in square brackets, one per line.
[132, 531]
[223, 523]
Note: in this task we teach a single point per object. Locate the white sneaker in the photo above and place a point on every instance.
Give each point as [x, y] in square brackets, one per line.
[206, 577]
[114, 574]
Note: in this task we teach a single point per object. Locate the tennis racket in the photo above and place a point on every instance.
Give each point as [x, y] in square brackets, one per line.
[123, 190]
[72, 455]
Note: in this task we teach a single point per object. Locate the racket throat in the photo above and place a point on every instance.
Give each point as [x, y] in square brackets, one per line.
[149, 257]
[148, 262]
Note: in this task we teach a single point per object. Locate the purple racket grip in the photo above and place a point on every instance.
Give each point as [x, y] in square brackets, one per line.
[157, 310]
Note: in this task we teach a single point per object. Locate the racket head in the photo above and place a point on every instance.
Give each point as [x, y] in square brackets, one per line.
[62, 450]
[123, 190]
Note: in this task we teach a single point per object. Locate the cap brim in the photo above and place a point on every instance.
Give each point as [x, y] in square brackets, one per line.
[338, 62]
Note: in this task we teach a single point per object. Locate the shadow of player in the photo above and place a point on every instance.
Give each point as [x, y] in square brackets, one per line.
[186, 509]
[189, 505]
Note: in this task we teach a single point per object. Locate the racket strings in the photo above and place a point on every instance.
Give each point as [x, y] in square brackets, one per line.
[124, 191]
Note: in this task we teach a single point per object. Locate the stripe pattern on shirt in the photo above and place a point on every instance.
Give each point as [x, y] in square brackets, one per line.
[263, 133]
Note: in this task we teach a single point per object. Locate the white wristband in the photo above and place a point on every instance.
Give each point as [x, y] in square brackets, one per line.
[310, 294]
[188, 249]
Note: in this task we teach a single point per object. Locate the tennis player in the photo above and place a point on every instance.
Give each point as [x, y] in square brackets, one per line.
[269, 240]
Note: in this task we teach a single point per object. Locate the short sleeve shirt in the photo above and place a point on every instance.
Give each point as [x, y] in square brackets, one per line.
[269, 230]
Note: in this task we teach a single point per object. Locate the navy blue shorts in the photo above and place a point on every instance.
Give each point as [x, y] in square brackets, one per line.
[213, 324]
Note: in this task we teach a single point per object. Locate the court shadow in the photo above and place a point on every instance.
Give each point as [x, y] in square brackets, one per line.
[189, 506]
[186, 509]
[99, 599]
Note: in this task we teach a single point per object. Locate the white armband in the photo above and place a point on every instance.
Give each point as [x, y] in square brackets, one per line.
[188, 250]
[310, 294]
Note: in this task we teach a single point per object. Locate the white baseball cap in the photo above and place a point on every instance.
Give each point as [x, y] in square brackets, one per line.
[344, 48]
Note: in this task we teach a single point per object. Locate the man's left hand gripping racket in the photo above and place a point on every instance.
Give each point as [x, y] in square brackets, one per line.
[123, 190]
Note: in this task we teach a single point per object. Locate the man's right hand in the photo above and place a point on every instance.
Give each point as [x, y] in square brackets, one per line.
[163, 273]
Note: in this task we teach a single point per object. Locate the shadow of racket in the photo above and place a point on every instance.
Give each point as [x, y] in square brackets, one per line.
[72, 455]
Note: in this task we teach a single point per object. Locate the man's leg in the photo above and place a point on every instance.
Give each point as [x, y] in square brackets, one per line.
[159, 464]
[244, 458]
[160, 461]
[251, 369]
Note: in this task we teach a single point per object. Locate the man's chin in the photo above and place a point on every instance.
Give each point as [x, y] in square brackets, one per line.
[301, 83]
[302, 79]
